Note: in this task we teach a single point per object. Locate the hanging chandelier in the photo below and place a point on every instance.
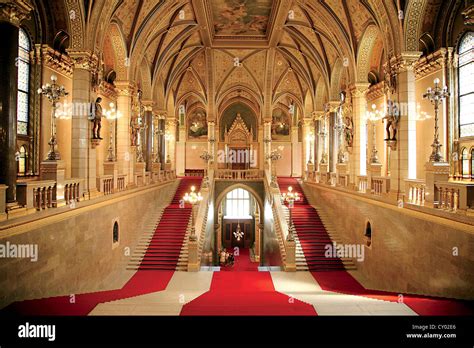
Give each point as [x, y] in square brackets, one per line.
[238, 234]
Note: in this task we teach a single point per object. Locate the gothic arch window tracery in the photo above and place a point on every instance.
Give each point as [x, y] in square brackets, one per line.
[466, 85]
[23, 64]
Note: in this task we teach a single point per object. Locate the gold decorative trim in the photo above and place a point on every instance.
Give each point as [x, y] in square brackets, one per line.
[56, 61]
[433, 62]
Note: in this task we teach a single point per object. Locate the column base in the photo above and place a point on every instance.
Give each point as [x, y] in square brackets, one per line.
[434, 171]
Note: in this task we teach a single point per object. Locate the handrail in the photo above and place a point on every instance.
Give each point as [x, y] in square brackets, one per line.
[230, 174]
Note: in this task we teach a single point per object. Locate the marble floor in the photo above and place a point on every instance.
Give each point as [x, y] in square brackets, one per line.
[184, 287]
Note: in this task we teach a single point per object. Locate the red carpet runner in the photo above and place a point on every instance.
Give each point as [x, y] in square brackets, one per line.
[242, 290]
[331, 275]
[310, 229]
[165, 246]
[163, 253]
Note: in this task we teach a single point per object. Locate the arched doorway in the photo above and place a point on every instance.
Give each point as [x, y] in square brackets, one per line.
[239, 221]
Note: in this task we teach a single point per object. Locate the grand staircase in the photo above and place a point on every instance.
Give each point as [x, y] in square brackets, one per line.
[165, 247]
[312, 235]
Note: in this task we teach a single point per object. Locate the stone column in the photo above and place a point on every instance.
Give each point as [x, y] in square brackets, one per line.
[358, 160]
[267, 140]
[171, 144]
[83, 154]
[403, 158]
[308, 153]
[295, 154]
[125, 157]
[149, 134]
[8, 111]
[180, 151]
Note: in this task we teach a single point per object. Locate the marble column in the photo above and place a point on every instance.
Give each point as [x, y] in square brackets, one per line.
[83, 154]
[358, 160]
[8, 111]
[148, 146]
[125, 156]
[403, 159]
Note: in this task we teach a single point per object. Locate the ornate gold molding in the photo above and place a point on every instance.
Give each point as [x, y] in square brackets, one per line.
[376, 91]
[15, 11]
[433, 62]
[108, 90]
[54, 60]
[84, 60]
[468, 14]
[405, 61]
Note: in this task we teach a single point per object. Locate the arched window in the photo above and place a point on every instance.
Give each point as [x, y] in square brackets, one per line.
[465, 163]
[472, 163]
[22, 161]
[466, 85]
[115, 233]
[368, 234]
[23, 62]
[238, 204]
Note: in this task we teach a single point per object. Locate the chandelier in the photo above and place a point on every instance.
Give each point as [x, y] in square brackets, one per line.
[238, 234]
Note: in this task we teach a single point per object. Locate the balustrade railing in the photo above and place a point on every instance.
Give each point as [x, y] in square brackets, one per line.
[362, 183]
[106, 184]
[415, 191]
[229, 174]
[72, 190]
[379, 185]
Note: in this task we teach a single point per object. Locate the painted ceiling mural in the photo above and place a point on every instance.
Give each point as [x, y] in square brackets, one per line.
[241, 17]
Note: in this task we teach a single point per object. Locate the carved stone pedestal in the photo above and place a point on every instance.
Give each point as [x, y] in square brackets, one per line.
[435, 171]
[140, 169]
[342, 171]
[290, 262]
[111, 168]
[156, 170]
[193, 262]
[324, 172]
[56, 171]
[375, 169]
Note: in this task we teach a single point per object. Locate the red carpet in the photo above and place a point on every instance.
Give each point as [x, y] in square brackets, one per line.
[310, 229]
[330, 272]
[343, 282]
[162, 254]
[242, 263]
[165, 246]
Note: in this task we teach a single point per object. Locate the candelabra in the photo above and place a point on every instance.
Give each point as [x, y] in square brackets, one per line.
[112, 115]
[339, 127]
[273, 157]
[192, 198]
[323, 134]
[310, 138]
[290, 197]
[436, 95]
[206, 157]
[168, 138]
[54, 93]
[372, 117]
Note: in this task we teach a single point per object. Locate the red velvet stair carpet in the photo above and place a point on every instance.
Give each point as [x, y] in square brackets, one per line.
[331, 275]
[242, 290]
[311, 231]
[153, 275]
[165, 246]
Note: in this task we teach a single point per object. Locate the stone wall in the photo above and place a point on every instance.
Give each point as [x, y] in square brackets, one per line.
[411, 252]
[76, 249]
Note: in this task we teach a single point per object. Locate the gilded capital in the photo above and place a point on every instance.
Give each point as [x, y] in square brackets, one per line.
[15, 11]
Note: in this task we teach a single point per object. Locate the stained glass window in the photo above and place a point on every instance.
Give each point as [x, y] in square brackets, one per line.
[238, 204]
[23, 64]
[466, 85]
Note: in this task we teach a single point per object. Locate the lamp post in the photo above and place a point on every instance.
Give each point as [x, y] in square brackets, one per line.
[54, 93]
[112, 115]
[290, 197]
[192, 198]
[436, 95]
[372, 117]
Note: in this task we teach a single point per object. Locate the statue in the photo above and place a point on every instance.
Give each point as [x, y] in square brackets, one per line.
[134, 129]
[97, 119]
[392, 117]
[348, 122]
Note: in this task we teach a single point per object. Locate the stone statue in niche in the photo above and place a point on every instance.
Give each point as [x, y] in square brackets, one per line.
[392, 117]
[348, 121]
[97, 115]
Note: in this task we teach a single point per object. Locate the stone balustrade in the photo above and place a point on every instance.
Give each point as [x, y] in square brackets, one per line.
[379, 185]
[72, 190]
[362, 183]
[38, 195]
[454, 196]
[229, 174]
[105, 183]
[121, 182]
[415, 192]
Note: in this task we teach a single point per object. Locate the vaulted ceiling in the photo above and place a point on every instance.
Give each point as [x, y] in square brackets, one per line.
[263, 51]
